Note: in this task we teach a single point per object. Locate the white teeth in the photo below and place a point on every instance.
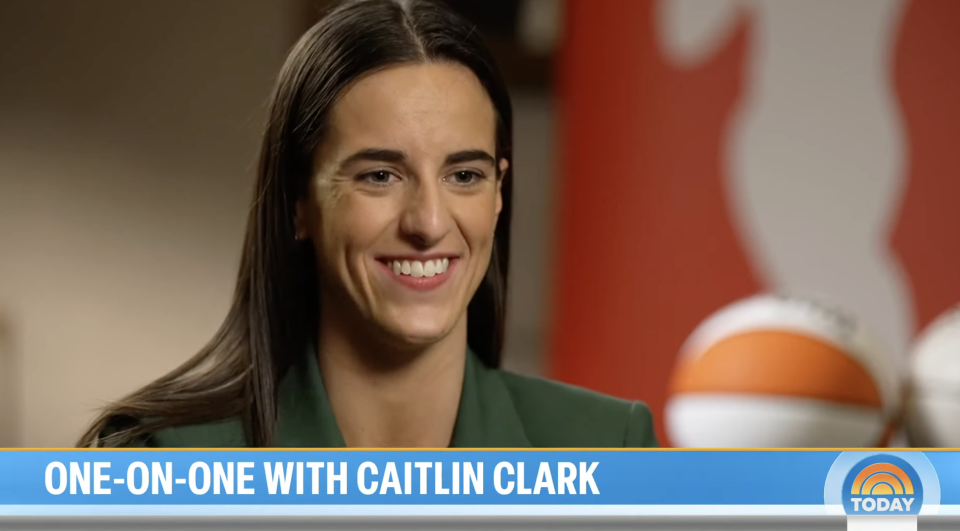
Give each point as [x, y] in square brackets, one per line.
[416, 269]
[419, 269]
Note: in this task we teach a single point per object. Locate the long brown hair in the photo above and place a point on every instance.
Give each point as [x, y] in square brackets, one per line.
[275, 308]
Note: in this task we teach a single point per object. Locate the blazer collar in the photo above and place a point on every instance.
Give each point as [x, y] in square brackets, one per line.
[486, 418]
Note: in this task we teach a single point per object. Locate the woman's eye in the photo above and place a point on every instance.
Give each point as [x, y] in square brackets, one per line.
[466, 177]
[379, 178]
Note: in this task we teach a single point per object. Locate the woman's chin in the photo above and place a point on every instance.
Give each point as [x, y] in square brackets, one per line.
[421, 336]
[419, 332]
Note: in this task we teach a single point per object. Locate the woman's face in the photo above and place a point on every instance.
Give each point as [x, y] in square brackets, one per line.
[404, 200]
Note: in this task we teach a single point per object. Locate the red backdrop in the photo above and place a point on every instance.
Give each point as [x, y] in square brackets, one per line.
[646, 248]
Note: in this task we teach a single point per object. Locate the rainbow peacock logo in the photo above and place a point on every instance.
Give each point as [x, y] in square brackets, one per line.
[882, 484]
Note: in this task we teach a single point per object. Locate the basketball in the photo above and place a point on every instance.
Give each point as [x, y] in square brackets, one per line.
[781, 371]
[933, 404]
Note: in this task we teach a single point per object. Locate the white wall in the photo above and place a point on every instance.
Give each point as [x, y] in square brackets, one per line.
[128, 136]
[817, 152]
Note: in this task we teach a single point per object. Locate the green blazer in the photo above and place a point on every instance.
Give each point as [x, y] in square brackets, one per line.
[497, 410]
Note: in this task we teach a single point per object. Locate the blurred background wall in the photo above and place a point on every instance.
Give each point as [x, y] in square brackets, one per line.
[747, 146]
[672, 156]
[127, 138]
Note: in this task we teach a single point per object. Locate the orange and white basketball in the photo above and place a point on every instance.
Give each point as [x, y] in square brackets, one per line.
[781, 371]
[933, 406]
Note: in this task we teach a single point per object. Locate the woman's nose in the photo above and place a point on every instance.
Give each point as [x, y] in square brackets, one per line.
[425, 220]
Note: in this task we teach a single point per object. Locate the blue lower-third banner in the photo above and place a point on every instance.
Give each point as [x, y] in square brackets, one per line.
[479, 482]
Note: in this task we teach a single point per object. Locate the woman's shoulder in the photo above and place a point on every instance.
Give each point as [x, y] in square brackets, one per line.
[560, 415]
[225, 433]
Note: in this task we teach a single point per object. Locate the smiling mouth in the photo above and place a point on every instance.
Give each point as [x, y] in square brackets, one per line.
[417, 268]
[419, 275]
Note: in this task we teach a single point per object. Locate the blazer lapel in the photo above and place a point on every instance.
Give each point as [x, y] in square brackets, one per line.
[306, 418]
[487, 416]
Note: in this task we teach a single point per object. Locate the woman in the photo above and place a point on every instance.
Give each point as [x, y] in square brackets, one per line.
[369, 309]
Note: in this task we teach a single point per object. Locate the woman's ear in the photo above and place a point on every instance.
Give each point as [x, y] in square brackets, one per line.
[504, 166]
[300, 232]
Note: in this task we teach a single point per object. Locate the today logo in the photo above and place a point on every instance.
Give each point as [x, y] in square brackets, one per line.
[882, 484]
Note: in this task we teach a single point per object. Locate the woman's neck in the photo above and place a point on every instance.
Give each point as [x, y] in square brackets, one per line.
[385, 399]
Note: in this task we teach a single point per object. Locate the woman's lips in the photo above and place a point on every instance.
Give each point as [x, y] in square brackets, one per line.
[420, 275]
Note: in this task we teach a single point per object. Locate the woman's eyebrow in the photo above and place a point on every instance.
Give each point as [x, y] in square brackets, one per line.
[470, 155]
[375, 154]
[394, 156]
